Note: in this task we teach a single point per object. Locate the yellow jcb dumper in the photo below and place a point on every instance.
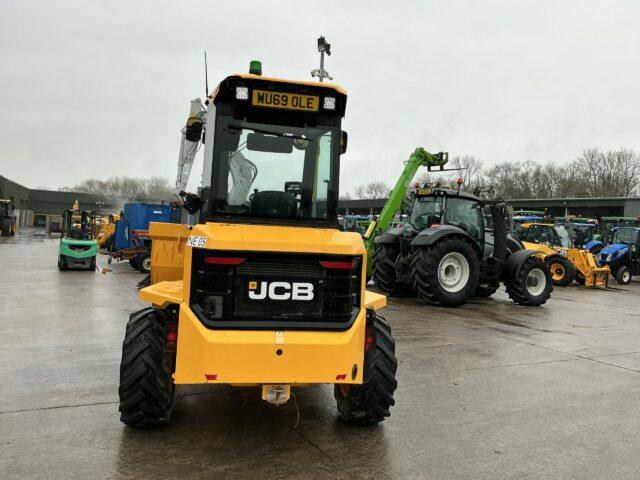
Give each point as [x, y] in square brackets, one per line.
[553, 244]
[265, 290]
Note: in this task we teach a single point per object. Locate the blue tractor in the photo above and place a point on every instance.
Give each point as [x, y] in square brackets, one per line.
[622, 255]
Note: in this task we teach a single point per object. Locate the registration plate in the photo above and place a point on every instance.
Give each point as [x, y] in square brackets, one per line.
[195, 241]
[285, 101]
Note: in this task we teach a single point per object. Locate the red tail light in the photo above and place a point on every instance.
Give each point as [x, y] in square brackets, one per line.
[223, 260]
[338, 265]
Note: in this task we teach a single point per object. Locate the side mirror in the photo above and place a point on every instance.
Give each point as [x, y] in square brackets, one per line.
[190, 202]
[343, 142]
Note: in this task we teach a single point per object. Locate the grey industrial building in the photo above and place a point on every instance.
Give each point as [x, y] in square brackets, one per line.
[34, 206]
[585, 207]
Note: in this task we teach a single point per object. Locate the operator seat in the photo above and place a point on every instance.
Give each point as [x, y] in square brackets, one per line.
[272, 203]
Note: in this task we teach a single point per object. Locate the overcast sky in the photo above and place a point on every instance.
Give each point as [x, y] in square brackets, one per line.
[95, 89]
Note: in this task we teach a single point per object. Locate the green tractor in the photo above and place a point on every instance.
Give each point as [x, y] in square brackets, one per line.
[454, 247]
[78, 244]
[7, 218]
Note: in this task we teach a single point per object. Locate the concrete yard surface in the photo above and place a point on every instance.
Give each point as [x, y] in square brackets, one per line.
[490, 390]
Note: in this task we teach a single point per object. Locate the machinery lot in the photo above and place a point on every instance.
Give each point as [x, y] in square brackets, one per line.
[488, 390]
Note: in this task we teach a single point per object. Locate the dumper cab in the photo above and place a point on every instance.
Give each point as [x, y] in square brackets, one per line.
[265, 289]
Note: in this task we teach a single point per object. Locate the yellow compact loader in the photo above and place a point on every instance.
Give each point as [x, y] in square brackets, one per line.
[553, 245]
[264, 290]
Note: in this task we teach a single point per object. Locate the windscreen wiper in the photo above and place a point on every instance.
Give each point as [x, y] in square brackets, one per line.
[267, 132]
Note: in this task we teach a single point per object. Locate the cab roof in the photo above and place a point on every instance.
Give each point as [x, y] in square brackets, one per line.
[446, 192]
[250, 76]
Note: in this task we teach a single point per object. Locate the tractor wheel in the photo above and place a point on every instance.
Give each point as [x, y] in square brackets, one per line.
[134, 262]
[623, 275]
[146, 386]
[486, 290]
[369, 403]
[144, 262]
[6, 227]
[446, 273]
[13, 228]
[533, 284]
[62, 264]
[562, 270]
[92, 265]
[384, 271]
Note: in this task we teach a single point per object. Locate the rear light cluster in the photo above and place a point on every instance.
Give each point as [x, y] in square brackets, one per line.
[275, 291]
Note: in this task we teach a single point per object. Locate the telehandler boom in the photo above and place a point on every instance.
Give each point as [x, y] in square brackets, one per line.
[419, 158]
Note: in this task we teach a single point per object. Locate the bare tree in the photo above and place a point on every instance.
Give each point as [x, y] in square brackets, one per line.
[156, 188]
[373, 190]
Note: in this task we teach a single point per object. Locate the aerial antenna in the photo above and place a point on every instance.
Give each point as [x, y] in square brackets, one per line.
[206, 76]
[321, 73]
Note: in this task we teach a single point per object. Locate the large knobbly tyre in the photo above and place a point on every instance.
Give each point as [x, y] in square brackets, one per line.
[446, 273]
[384, 270]
[533, 285]
[563, 272]
[487, 289]
[146, 386]
[369, 403]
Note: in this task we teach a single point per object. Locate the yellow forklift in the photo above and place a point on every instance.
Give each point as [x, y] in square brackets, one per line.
[554, 246]
[264, 290]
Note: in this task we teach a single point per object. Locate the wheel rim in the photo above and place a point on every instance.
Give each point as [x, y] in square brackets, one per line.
[453, 272]
[146, 263]
[557, 271]
[626, 276]
[536, 282]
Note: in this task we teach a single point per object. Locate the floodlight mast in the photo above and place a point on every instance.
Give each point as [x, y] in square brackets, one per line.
[321, 73]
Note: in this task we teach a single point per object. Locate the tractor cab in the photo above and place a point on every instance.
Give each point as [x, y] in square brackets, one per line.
[623, 256]
[608, 224]
[78, 244]
[435, 207]
[545, 234]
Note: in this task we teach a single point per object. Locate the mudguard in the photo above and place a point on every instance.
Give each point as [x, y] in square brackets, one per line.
[514, 262]
[431, 235]
[591, 244]
[387, 237]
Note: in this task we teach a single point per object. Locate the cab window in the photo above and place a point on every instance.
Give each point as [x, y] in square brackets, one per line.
[425, 212]
[467, 215]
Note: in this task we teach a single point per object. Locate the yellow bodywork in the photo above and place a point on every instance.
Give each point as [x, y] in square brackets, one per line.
[248, 356]
[583, 260]
[106, 228]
